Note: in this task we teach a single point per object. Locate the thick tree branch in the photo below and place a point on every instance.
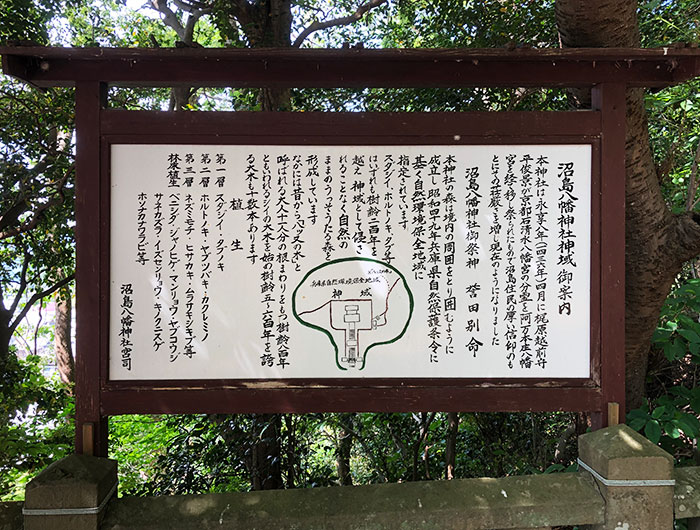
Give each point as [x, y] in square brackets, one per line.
[38, 325]
[179, 96]
[192, 22]
[10, 216]
[36, 297]
[656, 240]
[191, 7]
[27, 346]
[169, 17]
[33, 221]
[195, 10]
[398, 442]
[690, 201]
[342, 21]
[36, 115]
[684, 241]
[242, 12]
[28, 188]
[22, 282]
[3, 311]
[425, 428]
[380, 466]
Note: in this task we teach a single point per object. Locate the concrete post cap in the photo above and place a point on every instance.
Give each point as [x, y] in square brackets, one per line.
[621, 453]
[74, 482]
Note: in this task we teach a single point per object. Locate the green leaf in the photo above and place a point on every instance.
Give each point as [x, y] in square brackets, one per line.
[554, 468]
[652, 430]
[661, 335]
[678, 350]
[665, 401]
[672, 429]
[658, 412]
[689, 424]
[689, 335]
[637, 423]
[684, 321]
[638, 413]
[680, 391]
[667, 351]
[694, 348]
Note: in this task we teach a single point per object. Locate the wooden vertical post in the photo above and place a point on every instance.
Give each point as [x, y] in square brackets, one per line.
[613, 414]
[610, 99]
[88, 434]
[598, 420]
[90, 426]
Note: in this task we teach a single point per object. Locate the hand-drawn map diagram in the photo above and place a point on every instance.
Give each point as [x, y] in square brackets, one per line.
[359, 303]
[268, 262]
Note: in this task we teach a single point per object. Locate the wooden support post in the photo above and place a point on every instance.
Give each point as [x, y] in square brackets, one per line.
[597, 420]
[90, 426]
[613, 414]
[609, 98]
[88, 439]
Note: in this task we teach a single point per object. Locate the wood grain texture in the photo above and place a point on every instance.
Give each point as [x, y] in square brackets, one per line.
[326, 68]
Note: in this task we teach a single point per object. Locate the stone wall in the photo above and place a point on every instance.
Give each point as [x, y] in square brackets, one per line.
[626, 483]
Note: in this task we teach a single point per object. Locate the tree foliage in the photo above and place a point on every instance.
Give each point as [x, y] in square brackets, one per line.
[36, 212]
[35, 424]
[27, 20]
[36, 248]
[191, 454]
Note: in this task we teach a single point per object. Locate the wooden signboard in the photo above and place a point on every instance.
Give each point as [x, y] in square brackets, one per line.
[340, 263]
[307, 262]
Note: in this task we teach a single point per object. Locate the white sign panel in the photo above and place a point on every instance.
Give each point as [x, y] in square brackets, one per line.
[269, 262]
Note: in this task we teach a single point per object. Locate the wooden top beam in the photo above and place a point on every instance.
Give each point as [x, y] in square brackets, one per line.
[351, 68]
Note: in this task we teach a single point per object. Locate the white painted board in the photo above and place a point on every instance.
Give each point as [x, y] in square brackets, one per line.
[278, 262]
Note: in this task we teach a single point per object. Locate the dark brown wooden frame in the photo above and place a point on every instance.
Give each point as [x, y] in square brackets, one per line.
[339, 395]
[608, 72]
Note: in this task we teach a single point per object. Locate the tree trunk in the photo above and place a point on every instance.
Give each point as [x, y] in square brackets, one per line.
[344, 449]
[266, 23]
[275, 99]
[657, 242]
[451, 444]
[270, 27]
[62, 336]
[266, 469]
[292, 450]
[180, 98]
[5, 337]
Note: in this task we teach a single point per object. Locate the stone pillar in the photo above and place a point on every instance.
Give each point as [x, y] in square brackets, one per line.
[70, 494]
[635, 477]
